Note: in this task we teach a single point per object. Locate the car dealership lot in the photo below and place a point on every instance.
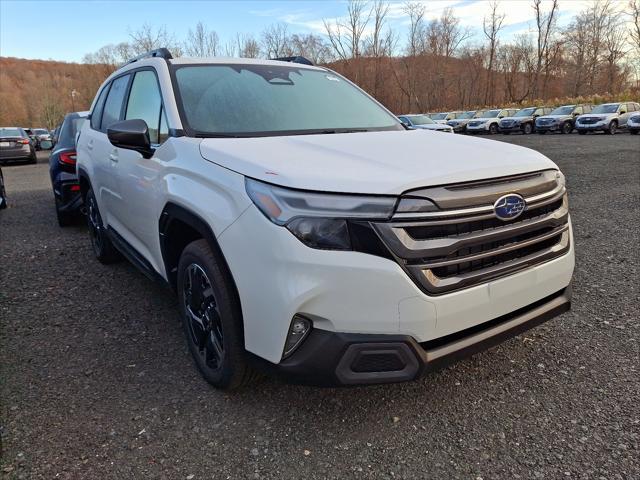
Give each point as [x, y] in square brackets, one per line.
[97, 381]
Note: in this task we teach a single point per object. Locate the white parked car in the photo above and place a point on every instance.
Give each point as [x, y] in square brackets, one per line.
[307, 232]
[608, 117]
[444, 117]
[487, 121]
[425, 123]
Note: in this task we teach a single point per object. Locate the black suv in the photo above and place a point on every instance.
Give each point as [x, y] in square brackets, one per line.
[523, 121]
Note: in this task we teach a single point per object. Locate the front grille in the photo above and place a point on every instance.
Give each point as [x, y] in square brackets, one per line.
[464, 244]
[589, 120]
[474, 124]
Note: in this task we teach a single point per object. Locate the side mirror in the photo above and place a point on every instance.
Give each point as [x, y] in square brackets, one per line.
[131, 135]
[622, 112]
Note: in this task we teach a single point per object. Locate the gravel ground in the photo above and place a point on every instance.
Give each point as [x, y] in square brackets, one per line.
[97, 381]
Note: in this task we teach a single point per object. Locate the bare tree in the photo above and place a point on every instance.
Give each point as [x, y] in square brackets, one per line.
[345, 35]
[491, 27]
[545, 27]
[202, 42]
[312, 47]
[146, 38]
[415, 11]
[275, 41]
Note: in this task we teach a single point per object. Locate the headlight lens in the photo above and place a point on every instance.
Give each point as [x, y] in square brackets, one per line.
[319, 220]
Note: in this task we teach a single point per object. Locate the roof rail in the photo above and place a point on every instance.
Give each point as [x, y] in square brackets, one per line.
[296, 59]
[158, 52]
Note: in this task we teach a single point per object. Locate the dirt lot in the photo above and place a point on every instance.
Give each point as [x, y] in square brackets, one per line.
[97, 382]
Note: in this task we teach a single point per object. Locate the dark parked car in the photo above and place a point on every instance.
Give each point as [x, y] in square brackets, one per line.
[62, 169]
[3, 192]
[43, 137]
[562, 119]
[15, 145]
[523, 121]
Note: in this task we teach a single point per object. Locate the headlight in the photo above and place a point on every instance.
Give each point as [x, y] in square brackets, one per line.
[319, 220]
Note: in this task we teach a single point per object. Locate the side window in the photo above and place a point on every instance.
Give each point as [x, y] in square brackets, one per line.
[96, 114]
[113, 105]
[145, 102]
[577, 110]
[632, 107]
[587, 108]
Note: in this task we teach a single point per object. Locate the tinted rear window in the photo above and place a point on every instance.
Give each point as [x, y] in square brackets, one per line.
[70, 127]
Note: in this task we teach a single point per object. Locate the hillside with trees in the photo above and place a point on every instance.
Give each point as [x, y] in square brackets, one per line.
[437, 64]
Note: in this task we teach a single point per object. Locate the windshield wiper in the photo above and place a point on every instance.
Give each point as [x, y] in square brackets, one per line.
[342, 130]
[218, 135]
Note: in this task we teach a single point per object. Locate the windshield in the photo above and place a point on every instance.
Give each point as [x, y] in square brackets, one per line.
[568, 110]
[254, 100]
[464, 115]
[421, 120]
[490, 113]
[525, 112]
[10, 132]
[439, 116]
[610, 108]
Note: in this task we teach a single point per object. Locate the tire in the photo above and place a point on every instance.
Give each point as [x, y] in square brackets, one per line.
[3, 193]
[102, 247]
[566, 128]
[212, 318]
[613, 127]
[633, 132]
[493, 129]
[33, 159]
[582, 132]
[527, 129]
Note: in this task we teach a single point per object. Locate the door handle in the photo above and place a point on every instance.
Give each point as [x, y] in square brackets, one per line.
[113, 156]
[90, 145]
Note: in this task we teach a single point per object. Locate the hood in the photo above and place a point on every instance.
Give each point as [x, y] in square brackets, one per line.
[371, 162]
[515, 119]
[601, 116]
[432, 126]
[554, 117]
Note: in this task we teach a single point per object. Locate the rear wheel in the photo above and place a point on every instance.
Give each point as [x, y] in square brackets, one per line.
[212, 318]
[103, 249]
[613, 128]
[527, 129]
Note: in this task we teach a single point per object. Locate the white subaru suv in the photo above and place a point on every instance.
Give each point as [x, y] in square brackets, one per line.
[306, 232]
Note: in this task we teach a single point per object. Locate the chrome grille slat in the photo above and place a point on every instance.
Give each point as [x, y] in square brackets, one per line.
[449, 250]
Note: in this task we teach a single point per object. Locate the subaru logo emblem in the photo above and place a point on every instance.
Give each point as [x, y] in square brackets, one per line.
[509, 206]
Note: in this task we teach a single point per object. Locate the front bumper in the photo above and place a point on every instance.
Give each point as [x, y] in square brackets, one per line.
[336, 358]
[548, 127]
[592, 126]
[510, 128]
[479, 129]
[277, 277]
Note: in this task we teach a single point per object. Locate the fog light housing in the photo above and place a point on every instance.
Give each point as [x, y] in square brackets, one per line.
[298, 331]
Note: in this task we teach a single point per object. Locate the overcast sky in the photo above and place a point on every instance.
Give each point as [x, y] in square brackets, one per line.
[66, 30]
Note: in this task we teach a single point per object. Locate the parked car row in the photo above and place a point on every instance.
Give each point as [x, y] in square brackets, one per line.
[608, 117]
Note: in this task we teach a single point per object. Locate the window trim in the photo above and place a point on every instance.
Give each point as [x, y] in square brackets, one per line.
[125, 104]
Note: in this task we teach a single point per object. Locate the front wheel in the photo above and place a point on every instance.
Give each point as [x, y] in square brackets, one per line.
[102, 247]
[212, 318]
[527, 129]
[493, 129]
[613, 128]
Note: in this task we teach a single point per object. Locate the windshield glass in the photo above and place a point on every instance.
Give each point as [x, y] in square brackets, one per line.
[525, 112]
[464, 115]
[439, 116]
[253, 100]
[611, 108]
[568, 110]
[490, 113]
[10, 132]
[421, 120]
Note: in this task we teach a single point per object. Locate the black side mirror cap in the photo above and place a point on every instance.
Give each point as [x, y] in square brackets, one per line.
[131, 135]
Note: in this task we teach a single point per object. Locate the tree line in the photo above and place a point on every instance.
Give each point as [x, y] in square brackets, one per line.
[436, 64]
